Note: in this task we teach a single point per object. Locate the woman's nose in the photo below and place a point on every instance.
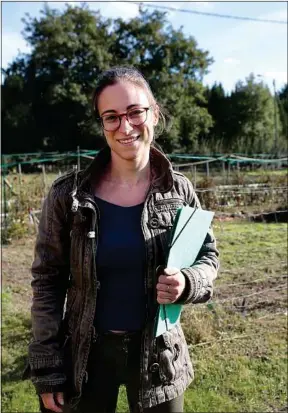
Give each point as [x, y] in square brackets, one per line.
[125, 126]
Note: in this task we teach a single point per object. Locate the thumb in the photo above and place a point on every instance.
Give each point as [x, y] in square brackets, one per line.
[171, 271]
[60, 398]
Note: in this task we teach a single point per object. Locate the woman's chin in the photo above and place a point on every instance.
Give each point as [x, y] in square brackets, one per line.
[131, 151]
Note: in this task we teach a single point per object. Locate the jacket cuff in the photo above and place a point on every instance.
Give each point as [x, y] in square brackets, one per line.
[196, 289]
[184, 297]
[46, 374]
[40, 389]
[50, 383]
[37, 363]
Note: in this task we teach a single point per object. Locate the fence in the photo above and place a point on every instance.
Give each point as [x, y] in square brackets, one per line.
[200, 170]
[225, 160]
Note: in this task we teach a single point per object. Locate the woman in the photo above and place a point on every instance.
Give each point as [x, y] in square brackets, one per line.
[102, 239]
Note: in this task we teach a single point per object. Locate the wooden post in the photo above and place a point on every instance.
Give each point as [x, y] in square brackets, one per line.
[19, 176]
[223, 170]
[228, 173]
[35, 222]
[195, 176]
[44, 178]
[20, 181]
[207, 169]
[279, 165]
[7, 183]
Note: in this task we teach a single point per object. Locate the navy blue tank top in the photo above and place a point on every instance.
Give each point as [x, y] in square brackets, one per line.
[120, 263]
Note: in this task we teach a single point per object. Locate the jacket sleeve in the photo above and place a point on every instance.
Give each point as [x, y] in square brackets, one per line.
[200, 276]
[50, 273]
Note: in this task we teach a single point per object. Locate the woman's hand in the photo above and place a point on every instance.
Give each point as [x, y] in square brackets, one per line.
[170, 286]
[50, 401]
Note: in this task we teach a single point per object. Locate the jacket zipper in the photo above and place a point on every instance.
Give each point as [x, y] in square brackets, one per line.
[141, 392]
[94, 247]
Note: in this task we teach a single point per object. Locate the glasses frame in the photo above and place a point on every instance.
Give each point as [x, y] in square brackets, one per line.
[120, 116]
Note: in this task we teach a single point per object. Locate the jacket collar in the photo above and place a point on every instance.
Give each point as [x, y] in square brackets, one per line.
[161, 171]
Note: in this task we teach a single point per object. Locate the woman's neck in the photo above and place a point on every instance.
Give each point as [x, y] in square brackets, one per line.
[128, 173]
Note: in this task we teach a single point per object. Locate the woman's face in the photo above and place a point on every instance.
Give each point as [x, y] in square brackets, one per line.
[118, 99]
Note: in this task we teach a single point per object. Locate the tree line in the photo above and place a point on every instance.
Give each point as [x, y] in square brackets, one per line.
[46, 94]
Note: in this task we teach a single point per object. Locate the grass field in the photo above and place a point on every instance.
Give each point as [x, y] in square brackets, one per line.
[237, 342]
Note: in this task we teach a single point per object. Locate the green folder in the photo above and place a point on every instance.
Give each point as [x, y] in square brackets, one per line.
[188, 234]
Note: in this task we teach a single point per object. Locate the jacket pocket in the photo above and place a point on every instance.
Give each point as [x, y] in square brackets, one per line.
[171, 358]
[169, 203]
[164, 212]
[163, 216]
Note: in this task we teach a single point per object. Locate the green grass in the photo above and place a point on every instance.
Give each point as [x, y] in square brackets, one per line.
[17, 395]
[242, 177]
[242, 368]
[228, 380]
[261, 172]
[251, 244]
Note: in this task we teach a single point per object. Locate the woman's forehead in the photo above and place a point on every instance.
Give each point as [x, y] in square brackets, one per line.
[121, 95]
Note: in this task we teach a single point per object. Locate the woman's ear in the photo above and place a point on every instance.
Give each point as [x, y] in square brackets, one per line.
[156, 115]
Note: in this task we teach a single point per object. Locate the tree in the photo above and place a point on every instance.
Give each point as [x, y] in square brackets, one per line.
[70, 49]
[218, 108]
[282, 99]
[251, 127]
[174, 67]
[18, 123]
[68, 52]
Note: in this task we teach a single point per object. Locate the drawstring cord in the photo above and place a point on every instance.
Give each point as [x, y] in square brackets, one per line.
[75, 202]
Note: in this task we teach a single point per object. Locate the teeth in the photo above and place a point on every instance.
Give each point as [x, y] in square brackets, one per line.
[126, 141]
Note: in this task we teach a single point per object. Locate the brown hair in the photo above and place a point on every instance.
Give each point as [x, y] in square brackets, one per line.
[129, 74]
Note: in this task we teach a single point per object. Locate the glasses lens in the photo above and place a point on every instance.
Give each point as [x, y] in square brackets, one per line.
[137, 116]
[110, 122]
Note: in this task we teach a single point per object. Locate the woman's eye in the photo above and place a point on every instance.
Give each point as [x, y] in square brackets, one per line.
[110, 119]
[136, 113]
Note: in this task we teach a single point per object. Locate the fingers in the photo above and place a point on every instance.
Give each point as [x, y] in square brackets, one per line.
[165, 294]
[165, 300]
[170, 276]
[170, 285]
[49, 401]
[60, 398]
[171, 279]
[166, 288]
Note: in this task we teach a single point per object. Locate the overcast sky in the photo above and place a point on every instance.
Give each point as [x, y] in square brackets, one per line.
[237, 47]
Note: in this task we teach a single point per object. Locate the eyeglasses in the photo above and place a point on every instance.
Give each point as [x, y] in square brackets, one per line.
[135, 117]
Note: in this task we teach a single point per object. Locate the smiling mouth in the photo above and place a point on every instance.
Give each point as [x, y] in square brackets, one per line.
[127, 141]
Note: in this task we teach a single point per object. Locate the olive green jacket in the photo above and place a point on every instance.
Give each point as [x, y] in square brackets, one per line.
[65, 283]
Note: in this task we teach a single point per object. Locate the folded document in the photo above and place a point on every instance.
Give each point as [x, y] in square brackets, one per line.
[188, 234]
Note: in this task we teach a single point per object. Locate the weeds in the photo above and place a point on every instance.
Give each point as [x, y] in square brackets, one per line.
[32, 191]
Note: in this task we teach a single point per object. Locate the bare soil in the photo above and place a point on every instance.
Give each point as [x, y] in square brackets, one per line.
[264, 290]
[16, 275]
